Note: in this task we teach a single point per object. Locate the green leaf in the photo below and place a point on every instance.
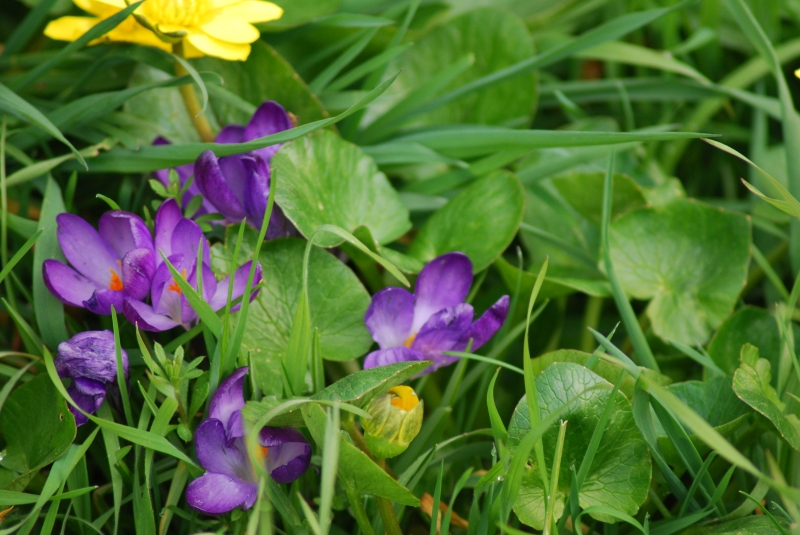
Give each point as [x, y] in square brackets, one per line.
[689, 259]
[362, 387]
[337, 302]
[605, 370]
[15, 105]
[714, 401]
[749, 525]
[751, 382]
[356, 470]
[266, 75]
[323, 179]
[584, 192]
[255, 410]
[297, 12]
[496, 39]
[480, 222]
[37, 426]
[747, 325]
[620, 473]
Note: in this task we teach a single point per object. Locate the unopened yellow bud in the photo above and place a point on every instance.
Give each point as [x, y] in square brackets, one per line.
[396, 421]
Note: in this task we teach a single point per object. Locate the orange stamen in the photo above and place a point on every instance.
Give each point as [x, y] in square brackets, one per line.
[265, 452]
[116, 283]
[410, 340]
[173, 286]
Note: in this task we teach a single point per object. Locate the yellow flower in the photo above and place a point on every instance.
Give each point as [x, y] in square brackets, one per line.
[220, 28]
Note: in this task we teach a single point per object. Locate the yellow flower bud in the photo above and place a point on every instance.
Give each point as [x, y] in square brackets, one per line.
[396, 421]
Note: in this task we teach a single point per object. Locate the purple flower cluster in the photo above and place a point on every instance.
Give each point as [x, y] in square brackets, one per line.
[230, 480]
[434, 319]
[238, 186]
[89, 359]
[121, 265]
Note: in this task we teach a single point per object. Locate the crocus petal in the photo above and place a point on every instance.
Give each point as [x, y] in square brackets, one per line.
[489, 323]
[186, 238]
[389, 317]
[217, 494]
[270, 118]
[138, 268]
[444, 331]
[91, 355]
[143, 315]
[240, 276]
[213, 185]
[233, 133]
[167, 218]
[69, 286]
[88, 395]
[256, 188]
[383, 357]
[124, 231]
[102, 300]
[289, 461]
[88, 253]
[443, 283]
[215, 455]
[229, 397]
[279, 225]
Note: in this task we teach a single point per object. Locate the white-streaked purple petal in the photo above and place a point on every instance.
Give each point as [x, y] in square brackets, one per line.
[392, 355]
[214, 186]
[389, 317]
[85, 250]
[138, 268]
[489, 323]
[102, 300]
[270, 118]
[88, 395]
[69, 286]
[91, 355]
[256, 188]
[229, 397]
[124, 231]
[442, 283]
[233, 133]
[217, 494]
[220, 296]
[214, 453]
[444, 331]
[167, 218]
[145, 317]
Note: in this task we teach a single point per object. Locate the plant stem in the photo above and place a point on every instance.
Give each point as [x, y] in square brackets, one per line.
[389, 519]
[359, 512]
[193, 106]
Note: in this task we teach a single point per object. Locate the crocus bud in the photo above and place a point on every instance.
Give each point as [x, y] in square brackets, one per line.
[89, 359]
[396, 421]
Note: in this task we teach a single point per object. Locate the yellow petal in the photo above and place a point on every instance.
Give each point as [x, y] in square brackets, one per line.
[220, 49]
[190, 52]
[252, 11]
[231, 30]
[69, 28]
[96, 8]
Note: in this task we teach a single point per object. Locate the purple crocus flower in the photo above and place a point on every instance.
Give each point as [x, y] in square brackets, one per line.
[230, 480]
[238, 186]
[89, 359]
[108, 264]
[179, 238]
[435, 318]
[184, 172]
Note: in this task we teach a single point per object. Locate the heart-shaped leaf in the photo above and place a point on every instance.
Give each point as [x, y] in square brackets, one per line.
[748, 325]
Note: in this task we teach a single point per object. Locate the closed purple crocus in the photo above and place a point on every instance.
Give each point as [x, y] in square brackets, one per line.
[230, 480]
[108, 264]
[89, 359]
[179, 239]
[238, 186]
[184, 172]
[435, 318]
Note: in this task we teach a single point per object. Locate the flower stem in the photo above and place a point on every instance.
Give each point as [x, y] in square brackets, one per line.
[359, 512]
[193, 106]
[386, 510]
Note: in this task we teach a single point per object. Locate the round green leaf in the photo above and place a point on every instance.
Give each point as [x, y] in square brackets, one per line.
[605, 370]
[480, 222]
[337, 302]
[689, 259]
[321, 179]
[497, 39]
[620, 471]
[749, 325]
